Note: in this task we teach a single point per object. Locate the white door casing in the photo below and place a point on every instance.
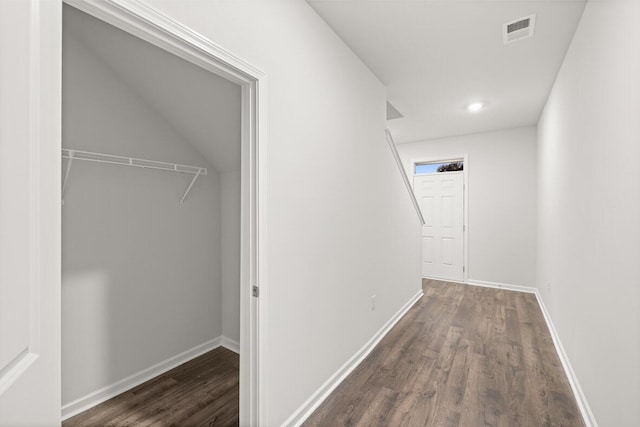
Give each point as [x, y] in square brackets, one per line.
[30, 108]
[147, 23]
[441, 199]
[30, 197]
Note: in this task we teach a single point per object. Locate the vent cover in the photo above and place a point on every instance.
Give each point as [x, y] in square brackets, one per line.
[518, 29]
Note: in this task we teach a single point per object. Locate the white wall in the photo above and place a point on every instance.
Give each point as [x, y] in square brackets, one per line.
[589, 209]
[334, 239]
[230, 252]
[141, 273]
[501, 173]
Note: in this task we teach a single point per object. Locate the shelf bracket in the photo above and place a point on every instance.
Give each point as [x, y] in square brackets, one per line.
[184, 196]
[66, 173]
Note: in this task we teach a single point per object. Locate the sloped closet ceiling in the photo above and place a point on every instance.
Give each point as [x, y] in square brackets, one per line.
[200, 106]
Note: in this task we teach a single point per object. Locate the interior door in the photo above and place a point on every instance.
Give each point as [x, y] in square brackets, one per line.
[30, 107]
[440, 196]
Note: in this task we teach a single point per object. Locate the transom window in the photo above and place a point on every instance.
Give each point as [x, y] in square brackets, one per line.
[439, 167]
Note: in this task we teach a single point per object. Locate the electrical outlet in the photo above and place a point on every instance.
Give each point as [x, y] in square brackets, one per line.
[373, 302]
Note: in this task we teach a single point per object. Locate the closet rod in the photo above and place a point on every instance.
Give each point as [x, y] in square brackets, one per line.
[72, 155]
[130, 161]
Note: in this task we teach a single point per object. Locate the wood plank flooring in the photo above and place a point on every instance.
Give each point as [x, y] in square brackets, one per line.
[201, 392]
[462, 356]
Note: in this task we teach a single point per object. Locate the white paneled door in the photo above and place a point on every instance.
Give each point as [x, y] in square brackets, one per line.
[441, 199]
[30, 108]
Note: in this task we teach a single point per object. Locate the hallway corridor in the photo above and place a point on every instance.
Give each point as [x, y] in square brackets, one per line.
[462, 356]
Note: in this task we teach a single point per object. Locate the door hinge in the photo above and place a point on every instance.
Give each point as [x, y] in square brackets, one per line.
[464, 227]
[463, 268]
[255, 291]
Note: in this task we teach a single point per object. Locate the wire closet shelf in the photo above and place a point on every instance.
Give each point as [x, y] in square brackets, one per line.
[72, 155]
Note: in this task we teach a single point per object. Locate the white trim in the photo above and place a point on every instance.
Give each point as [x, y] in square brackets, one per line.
[105, 393]
[506, 286]
[230, 344]
[403, 173]
[312, 403]
[149, 24]
[465, 190]
[581, 400]
[14, 369]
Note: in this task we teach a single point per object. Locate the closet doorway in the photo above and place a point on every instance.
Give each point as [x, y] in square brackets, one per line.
[159, 218]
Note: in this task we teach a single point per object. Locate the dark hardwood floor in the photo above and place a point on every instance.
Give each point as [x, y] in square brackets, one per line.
[462, 356]
[201, 392]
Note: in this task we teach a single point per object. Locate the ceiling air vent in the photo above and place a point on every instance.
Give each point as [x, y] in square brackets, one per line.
[518, 29]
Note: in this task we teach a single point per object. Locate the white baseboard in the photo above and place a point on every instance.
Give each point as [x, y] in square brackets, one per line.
[581, 399]
[312, 403]
[95, 398]
[506, 286]
[230, 344]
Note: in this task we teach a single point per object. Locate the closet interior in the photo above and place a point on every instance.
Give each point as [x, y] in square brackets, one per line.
[150, 213]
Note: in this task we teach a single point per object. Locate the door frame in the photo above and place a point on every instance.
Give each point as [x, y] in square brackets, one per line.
[465, 203]
[162, 31]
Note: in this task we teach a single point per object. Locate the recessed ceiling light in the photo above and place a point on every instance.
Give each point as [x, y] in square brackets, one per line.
[474, 107]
